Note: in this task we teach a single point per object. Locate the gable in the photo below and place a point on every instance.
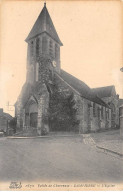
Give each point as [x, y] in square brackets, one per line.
[103, 92]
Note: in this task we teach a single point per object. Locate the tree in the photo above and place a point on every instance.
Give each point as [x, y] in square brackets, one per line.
[62, 112]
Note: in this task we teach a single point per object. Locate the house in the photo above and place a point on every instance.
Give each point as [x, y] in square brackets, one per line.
[4, 119]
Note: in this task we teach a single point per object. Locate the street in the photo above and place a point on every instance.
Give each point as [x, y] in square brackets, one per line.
[62, 159]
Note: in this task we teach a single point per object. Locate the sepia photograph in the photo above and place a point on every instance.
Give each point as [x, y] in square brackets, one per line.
[61, 95]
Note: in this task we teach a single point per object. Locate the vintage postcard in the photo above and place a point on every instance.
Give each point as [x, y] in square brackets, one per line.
[61, 95]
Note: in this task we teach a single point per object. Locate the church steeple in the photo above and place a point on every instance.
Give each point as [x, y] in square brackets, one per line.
[43, 41]
[44, 24]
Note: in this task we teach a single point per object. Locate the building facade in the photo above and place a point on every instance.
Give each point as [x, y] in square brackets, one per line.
[5, 118]
[52, 99]
[109, 96]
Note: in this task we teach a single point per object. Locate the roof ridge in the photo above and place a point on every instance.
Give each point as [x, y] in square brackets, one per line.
[103, 87]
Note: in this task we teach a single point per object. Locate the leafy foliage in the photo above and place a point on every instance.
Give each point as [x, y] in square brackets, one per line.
[62, 112]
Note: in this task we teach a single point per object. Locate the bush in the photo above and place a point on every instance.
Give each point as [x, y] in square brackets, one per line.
[44, 129]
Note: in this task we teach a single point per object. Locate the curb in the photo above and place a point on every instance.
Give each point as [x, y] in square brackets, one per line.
[111, 151]
[14, 137]
[36, 137]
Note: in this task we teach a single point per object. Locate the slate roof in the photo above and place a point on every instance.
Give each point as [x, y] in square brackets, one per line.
[83, 89]
[25, 93]
[44, 24]
[103, 91]
[28, 90]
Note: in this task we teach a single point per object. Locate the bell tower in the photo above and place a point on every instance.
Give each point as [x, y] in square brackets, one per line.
[43, 44]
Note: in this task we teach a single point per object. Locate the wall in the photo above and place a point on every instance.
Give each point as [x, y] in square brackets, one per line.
[114, 100]
[43, 106]
[3, 123]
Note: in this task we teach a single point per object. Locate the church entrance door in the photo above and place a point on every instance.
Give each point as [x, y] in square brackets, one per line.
[31, 114]
[33, 119]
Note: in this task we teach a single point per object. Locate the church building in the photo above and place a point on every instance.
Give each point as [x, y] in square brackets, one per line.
[52, 99]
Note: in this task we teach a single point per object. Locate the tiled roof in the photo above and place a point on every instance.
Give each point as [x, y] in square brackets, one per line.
[44, 24]
[103, 91]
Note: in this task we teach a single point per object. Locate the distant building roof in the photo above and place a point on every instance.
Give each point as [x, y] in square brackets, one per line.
[103, 92]
[5, 115]
[44, 24]
[120, 102]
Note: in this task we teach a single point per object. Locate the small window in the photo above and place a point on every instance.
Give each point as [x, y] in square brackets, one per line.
[102, 111]
[107, 114]
[94, 109]
[98, 112]
[57, 51]
[31, 48]
[44, 44]
[37, 46]
[37, 69]
[51, 48]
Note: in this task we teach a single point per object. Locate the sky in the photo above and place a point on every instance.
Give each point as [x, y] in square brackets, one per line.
[91, 33]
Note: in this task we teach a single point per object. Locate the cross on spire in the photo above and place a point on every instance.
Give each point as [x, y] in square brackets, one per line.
[44, 3]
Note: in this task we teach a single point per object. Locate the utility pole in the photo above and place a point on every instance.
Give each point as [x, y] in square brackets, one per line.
[9, 106]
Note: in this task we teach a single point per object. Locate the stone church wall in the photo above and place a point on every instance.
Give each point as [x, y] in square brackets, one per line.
[43, 106]
[80, 116]
[113, 100]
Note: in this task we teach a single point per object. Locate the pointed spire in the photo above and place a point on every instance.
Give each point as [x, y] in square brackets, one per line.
[44, 24]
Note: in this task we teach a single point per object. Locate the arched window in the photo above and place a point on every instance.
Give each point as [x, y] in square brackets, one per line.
[37, 69]
[94, 109]
[112, 107]
[56, 51]
[31, 73]
[107, 113]
[98, 111]
[50, 74]
[44, 45]
[102, 115]
[31, 48]
[37, 46]
[51, 48]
